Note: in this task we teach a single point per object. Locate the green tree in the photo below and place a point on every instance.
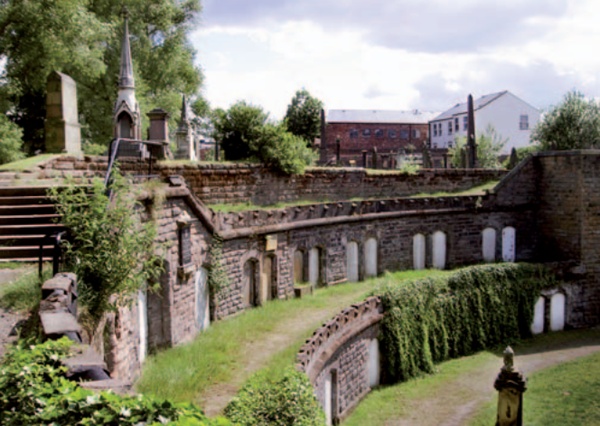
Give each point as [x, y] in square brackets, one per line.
[284, 151]
[303, 116]
[489, 146]
[239, 129]
[573, 124]
[10, 141]
[82, 39]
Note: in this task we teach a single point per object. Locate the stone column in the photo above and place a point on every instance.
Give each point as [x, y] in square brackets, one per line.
[510, 384]
[62, 129]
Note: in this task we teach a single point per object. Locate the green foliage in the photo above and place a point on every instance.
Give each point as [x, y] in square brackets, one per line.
[112, 253]
[36, 392]
[11, 143]
[479, 307]
[573, 124]
[489, 146]
[521, 154]
[244, 133]
[285, 402]
[36, 40]
[24, 293]
[303, 116]
[94, 148]
[217, 275]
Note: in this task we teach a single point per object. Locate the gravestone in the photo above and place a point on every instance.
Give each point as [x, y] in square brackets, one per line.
[510, 384]
[374, 365]
[538, 316]
[313, 266]
[508, 244]
[352, 262]
[371, 258]
[419, 252]
[202, 299]
[62, 129]
[557, 312]
[438, 256]
[488, 243]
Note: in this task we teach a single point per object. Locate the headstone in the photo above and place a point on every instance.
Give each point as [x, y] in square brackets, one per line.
[313, 266]
[557, 312]
[538, 316]
[352, 261]
[510, 384]
[159, 131]
[63, 132]
[202, 299]
[508, 244]
[438, 256]
[328, 396]
[488, 244]
[370, 258]
[373, 364]
[419, 252]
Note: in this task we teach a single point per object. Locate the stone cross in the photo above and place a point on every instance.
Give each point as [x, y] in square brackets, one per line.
[510, 384]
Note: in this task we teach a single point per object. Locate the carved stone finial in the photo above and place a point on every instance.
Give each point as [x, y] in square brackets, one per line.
[125, 12]
[509, 355]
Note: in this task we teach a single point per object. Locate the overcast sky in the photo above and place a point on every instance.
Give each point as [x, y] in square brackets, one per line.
[397, 54]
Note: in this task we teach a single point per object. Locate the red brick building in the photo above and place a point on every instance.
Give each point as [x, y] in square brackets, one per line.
[391, 132]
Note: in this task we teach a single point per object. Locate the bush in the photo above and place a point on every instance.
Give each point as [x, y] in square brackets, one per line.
[11, 144]
[36, 392]
[434, 319]
[284, 402]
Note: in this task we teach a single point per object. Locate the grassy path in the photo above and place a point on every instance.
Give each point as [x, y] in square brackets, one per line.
[461, 387]
[210, 370]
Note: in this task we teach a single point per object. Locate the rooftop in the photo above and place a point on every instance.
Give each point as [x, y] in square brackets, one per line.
[379, 116]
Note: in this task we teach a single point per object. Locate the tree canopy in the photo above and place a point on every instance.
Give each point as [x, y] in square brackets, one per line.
[82, 39]
[244, 132]
[303, 116]
[573, 124]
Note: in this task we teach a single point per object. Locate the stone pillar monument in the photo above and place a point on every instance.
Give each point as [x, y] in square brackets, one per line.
[471, 144]
[159, 132]
[184, 137]
[510, 384]
[63, 132]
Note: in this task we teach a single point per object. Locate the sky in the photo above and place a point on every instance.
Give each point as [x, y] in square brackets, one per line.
[396, 54]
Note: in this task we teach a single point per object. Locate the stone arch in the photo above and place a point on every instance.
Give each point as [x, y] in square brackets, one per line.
[251, 283]
[438, 249]
[299, 270]
[352, 261]
[125, 125]
[370, 257]
[488, 244]
[509, 244]
[419, 251]
[558, 303]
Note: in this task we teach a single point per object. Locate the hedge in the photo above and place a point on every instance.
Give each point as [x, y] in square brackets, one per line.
[431, 320]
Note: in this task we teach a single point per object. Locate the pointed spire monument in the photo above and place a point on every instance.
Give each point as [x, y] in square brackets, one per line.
[184, 136]
[127, 117]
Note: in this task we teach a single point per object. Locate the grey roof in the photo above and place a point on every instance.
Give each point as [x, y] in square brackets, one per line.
[378, 116]
[477, 104]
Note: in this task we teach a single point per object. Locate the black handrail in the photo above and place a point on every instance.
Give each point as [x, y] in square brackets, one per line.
[56, 252]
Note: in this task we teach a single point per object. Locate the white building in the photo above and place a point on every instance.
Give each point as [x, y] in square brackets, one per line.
[511, 117]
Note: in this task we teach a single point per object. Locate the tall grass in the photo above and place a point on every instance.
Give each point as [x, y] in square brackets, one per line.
[24, 293]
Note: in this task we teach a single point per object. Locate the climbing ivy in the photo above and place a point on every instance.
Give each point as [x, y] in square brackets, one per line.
[217, 275]
[431, 320]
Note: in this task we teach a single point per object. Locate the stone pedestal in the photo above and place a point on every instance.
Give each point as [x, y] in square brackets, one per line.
[63, 132]
[510, 384]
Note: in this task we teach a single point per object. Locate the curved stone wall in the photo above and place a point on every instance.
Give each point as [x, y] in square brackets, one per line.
[341, 358]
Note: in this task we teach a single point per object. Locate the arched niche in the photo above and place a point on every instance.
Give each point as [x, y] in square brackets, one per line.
[419, 251]
[314, 266]
[557, 312]
[488, 244]
[299, 267]
[352, 261]
[370, 255]
[508, 244]
[250, 283]
[539, 314]
[438, 250]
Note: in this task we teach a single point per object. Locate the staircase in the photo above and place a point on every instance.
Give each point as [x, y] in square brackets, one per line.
[27, 219]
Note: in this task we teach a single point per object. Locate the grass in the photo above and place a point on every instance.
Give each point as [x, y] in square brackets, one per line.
[23, 294]
[216, 356]
[476, 190]
[27, 163]
[393, 402]
[563, 395]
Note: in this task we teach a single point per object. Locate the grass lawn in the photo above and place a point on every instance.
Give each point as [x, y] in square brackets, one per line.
[23, 293]
[27, 163]
[216, 356]
[547, 389]
[565, 395]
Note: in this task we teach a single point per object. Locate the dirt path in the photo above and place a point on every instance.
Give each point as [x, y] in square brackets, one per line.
[8, 319]
[448, 407]
[258, 353]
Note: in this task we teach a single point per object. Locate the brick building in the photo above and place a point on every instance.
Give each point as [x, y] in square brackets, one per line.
[391, 132]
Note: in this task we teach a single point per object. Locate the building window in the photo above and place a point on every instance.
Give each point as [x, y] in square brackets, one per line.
[403, 134]
[456, 128]
[378, 133]
[435, 145]
[434, 129]
[416, 134]
[450, 127]
[392, 134]
[524, 122]
[366, 133]
[449, 144]
[465, 123]
[353, 133]
[439, 126]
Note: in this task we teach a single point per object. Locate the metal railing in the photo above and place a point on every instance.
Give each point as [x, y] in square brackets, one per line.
[57, 255]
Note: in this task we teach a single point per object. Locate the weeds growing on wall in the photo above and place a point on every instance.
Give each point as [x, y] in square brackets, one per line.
[217, 276]
[36, 392]
[431, 320]
[110, 249]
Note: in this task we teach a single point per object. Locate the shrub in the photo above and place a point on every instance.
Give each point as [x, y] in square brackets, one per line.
[284, 402]
[11, 144]
[434, 319]
[36, 392]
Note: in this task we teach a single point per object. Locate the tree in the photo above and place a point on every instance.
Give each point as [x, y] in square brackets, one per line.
[244, 133]
[82, 39]
[573, 124]
[303, 116]
[489, 146]
[10, 141]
